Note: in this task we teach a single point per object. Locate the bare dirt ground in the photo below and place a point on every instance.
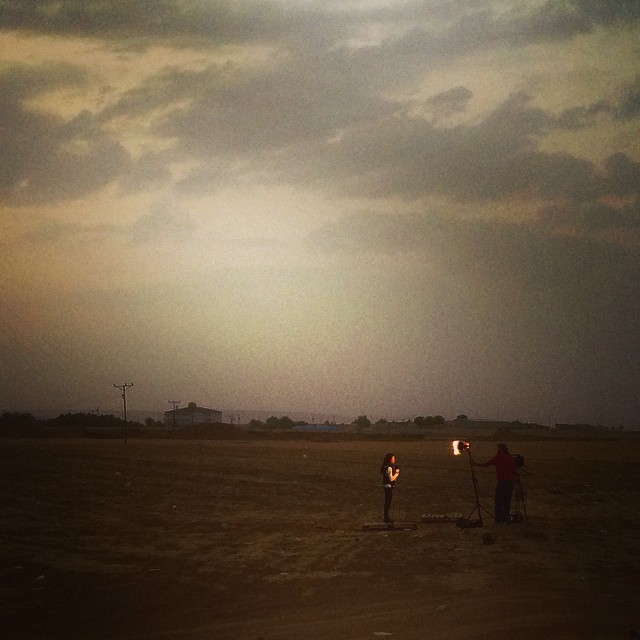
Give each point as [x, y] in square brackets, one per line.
[263, 539]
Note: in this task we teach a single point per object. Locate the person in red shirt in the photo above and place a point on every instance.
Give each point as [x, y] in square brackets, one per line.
[506, 470]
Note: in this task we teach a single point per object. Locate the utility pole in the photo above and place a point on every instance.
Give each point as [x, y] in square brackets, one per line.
[175, 404]
[123, 388]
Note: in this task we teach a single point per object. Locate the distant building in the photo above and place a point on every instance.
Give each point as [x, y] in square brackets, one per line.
[191, 414]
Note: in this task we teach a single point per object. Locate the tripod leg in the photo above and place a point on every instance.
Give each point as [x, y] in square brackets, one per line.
[521, 496]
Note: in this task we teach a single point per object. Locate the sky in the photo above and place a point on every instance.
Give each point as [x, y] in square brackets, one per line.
[398, 208]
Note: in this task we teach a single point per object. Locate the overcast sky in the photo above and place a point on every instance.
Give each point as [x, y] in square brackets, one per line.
[346, 207]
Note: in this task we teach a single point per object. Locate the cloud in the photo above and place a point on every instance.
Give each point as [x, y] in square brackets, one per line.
[600, 216]
[339, 125]
[557, 20]
[374, 233]
[219, 22]
[451, 101]
[415, 31]
[42, 157]
[285, 124]
[595, 217]
[622, 175]
[21, 81]
[49, 231]
[529, 257]
[163, 223]
[438, 32]
[580, 117]
[606, 13]
[629, 106]
[149, 171]
[238, 111]
[496, 158]
[489, 160]
[625, 107]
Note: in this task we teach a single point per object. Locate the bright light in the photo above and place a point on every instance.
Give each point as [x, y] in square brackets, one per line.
[458, 446]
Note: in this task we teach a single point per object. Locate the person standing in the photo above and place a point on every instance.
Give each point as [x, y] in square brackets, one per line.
[506, 470]
[390, 472]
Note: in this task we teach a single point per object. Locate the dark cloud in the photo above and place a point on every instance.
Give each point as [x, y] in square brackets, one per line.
[219, 22]
[282, 116]
[554, 20]
[576, 118]
[149, 171]
[20, 82]
[161, 91]
[619, 181]
[493, 159]
[46, 172]
[428, 31]
[563, 19]
[629, 106]
[626, 107]
[42, 157]
[234, 112]
[280, 124]
[606, 13]
[596, 217]
[451, 101]
[622, 175]
[200, 24]
[440, 31]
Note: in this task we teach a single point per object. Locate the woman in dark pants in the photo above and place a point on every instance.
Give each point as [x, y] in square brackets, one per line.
[390, 473]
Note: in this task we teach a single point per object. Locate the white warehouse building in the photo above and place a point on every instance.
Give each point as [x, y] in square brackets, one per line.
[191, 414]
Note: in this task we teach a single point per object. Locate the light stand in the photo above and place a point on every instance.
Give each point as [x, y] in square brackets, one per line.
[479, 507]
[459, 446]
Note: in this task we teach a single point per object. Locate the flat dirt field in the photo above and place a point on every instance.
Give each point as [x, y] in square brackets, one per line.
[263, 539]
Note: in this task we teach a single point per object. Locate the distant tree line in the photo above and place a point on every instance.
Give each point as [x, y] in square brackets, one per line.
[26, 420]
[17, 419]
[105, 421]
[285, 422]
[273, 422]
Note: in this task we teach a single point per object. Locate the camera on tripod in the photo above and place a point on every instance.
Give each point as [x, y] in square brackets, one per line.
[520, 511]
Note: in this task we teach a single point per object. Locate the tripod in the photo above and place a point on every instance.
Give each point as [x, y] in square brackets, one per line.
[520, 511]
[479, 507]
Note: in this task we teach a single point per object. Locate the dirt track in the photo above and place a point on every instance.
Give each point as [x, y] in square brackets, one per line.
[261, 539]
